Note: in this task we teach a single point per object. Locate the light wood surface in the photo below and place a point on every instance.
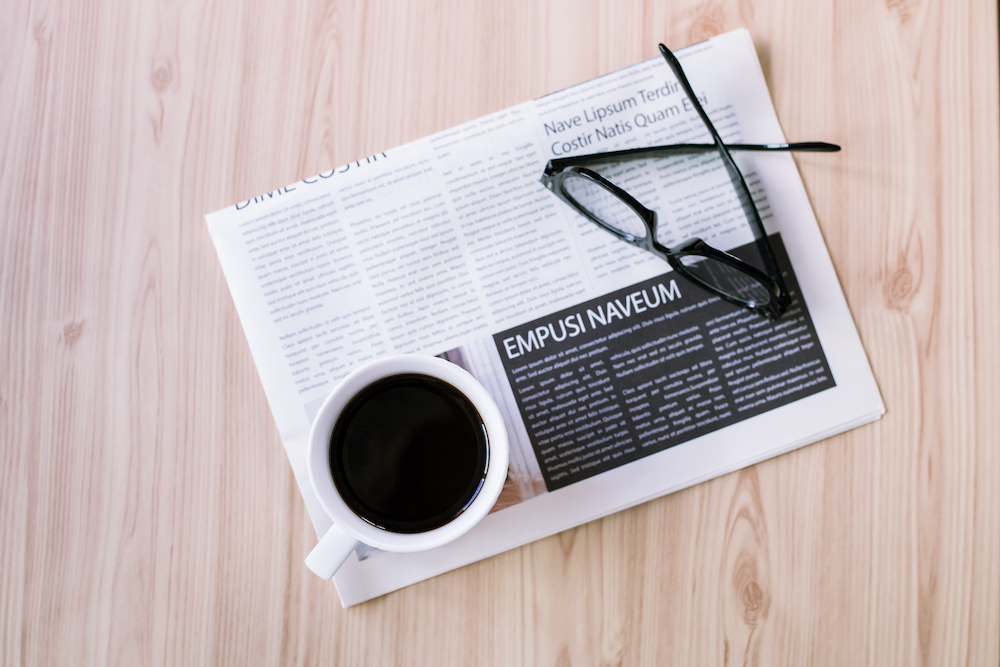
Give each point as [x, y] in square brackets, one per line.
[148, 514]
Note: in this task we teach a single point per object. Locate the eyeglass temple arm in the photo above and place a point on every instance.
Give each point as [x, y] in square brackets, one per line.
[742, 191]
[801, 147]
[559, 164]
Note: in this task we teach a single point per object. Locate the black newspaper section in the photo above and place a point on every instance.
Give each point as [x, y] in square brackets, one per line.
[634, 372]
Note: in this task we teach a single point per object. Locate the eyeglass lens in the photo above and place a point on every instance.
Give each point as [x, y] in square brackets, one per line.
[604, 205]
[727, 279]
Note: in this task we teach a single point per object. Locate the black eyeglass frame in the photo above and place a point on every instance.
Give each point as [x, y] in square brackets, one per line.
[559, 169]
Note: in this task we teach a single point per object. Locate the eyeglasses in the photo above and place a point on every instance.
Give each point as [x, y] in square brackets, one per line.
[754, 283]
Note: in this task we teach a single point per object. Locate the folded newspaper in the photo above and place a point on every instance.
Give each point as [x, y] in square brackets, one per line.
[619, 381]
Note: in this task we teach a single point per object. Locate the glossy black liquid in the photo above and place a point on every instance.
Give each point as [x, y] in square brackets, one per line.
[409, 453]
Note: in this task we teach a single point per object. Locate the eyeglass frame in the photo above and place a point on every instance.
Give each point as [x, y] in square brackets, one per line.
[558, 169]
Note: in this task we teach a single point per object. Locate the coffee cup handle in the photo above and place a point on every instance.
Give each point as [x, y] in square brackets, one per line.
[331, 552]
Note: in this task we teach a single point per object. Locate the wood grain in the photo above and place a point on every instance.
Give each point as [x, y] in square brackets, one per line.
[148, 514]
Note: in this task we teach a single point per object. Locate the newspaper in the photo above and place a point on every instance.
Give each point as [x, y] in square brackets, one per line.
[619, 381]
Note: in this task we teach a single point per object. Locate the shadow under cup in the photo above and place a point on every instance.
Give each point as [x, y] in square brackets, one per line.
[409, 453]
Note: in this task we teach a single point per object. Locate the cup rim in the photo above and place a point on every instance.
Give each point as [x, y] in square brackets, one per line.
[346, 389]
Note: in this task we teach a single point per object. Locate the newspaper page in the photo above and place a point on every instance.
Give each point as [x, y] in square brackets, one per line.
[619, 380]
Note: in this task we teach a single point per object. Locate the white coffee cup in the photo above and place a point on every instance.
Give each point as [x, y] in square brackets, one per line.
[348, 527]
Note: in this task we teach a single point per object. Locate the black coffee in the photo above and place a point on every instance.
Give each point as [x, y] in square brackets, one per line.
[409, 453]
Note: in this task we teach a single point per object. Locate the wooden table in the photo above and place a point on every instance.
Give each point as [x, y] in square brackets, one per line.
[147, 511]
